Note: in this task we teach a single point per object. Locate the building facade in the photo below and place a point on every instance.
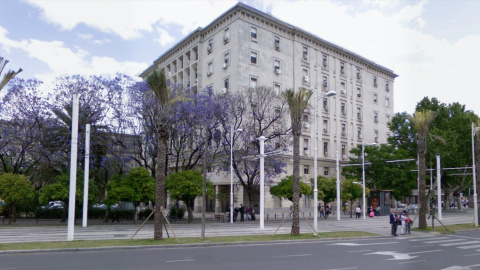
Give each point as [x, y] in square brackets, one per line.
[245, 47]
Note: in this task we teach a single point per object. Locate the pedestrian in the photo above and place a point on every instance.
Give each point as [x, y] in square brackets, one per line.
[115, 216]
[252, 213]
[379, 211]
[403, 218]
[393, 222]
[408, 224]
[357, 211]
[327, 210]
[247, 212]
[319, 207]
[322, 214]
[242, 212]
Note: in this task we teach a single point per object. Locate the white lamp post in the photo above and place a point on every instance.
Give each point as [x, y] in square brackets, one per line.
[475, 204]
[363, 175]
[231, 170]
[315, 150]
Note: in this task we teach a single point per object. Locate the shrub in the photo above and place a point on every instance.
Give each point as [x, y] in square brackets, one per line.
[144, 213]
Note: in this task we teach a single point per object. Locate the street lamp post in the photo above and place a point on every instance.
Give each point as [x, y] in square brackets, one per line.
[474, 172]
[231, 170]
[315, 150]
[363, 176]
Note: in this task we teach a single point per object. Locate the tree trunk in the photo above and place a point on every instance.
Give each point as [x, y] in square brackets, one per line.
[160, 185]
[296, 184]
[107, 213]
[421, 150]
[189, 211]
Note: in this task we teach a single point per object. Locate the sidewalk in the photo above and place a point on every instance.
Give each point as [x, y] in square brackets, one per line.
[377, 225]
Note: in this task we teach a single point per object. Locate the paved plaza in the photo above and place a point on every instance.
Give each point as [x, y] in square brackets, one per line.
[377, 225]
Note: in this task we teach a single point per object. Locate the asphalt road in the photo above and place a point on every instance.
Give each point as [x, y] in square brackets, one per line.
[454, 251]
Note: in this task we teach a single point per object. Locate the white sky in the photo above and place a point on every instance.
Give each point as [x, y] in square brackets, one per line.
[432, 45]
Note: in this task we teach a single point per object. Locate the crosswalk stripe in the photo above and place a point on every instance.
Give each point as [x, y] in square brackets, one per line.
[430, 238]
[469, 247]
[460, 243]
[444, 241]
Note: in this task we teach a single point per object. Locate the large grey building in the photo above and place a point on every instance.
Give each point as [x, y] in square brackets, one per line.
[245, 47]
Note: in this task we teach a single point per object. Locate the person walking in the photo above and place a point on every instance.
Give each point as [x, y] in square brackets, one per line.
[393, 222]
[403, 217]
[319, 208]
[379, 211]
[115, 216]
[322, 214]
[327, 210]
[357, 211]
[408, 224]
[242, 212]
[247, 212]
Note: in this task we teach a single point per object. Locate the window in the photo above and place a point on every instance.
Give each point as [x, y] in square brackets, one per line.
[305, 53]
[324, 60]
[210, 68]
[342, 68]
[387, 117]
[253, 32]
[210, 46]
[305, 75]
[343, 108]
[359, 113]
[226, 84]
[226, 37]
[375, 117]
[343, 88]
[276, 66]
[376, 136]
[387, 102]
[276, 87]
[325, 149]
[253, 58]
[325, 126]
[375, 81]
[305, 118]
[375, 96]
[305, 170]
[277, 43]
[305, 146]
[359, 133]
[253, 82]
[359, 76]
[344, 151]
[359, 92]
[325, 104]
[387, 87]
[344, 129]
[325, 81]
[226, 58]
[326, 170]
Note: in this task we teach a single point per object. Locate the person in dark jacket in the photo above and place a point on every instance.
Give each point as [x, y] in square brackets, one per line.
[242, 212]
[393, 222]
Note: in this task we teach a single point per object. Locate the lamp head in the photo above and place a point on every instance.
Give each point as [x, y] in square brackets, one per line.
[330, 93]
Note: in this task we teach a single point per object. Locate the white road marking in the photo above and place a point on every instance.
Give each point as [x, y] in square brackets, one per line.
[422, 246]
[475, 265]
[444, 241]
[363, 250]
[299, 255]
[427, 251]
[460, 243]
[429, 238]
[355, 244]
[469, 247]
[342, 268]
[477, 254]
[411, 262]
[396, 255]
[174, 261]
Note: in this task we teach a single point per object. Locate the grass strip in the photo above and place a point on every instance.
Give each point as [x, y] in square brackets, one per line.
[172, 241]
[449, 228]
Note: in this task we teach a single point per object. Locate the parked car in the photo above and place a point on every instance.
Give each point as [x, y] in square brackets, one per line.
[401, 205]
[55, 205]
[99, 206]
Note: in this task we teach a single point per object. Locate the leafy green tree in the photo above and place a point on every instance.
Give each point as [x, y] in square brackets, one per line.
[327, 189]
[7, 76]
[297, 103]
[422, 121]
[186, 186]
[381, 174]
[352, 191]
[17, 192]
[136, 187]
[166, 98]
[59, 191]
[284, 189]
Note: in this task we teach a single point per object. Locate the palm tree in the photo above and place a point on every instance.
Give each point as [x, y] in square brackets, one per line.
[166, 97]
[421, 122]
[9, 75]
[297, 103]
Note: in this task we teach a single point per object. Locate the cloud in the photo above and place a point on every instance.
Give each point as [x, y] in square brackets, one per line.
[394, 38]
[164, 37]
[90, 38]
[128, 19]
